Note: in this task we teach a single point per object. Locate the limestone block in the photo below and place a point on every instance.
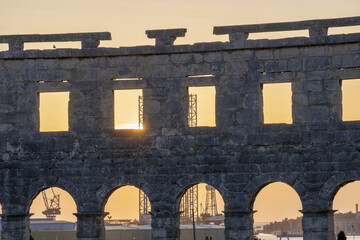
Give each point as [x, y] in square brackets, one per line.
[264, 54]
[6, 127]
[318, 32]
[317, 51]
[156, 60]
[164, 37]
[195, 69]
[276, 66]
[300, 99]
[251, 101]
[187, 58]
[285, 53]
[236, 68]
[346, 48]
[350, 60]
[313, 86]
[229, 102]
[311, 114]
[151, 107]
[69, 63]
[225, 117]
[240, 55]
[248, 117]
[317, 63]
[336, 61]
[294, 64]
[331, 85]
[320, 75]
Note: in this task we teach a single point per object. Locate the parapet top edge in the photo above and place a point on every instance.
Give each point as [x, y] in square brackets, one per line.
[56, 37]
[288, 26]
[176, 49]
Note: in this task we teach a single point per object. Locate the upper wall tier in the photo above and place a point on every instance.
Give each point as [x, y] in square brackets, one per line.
[164, 40]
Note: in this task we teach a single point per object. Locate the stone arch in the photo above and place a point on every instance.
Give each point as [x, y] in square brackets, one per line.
[333, 185]
[111, 185]
[252, 189]
[42, 184]
[185, 183]
[201, 191]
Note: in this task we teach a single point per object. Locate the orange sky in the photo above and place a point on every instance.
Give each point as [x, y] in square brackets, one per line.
[128, 20]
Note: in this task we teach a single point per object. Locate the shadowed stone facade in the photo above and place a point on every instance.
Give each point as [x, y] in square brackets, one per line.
[315, 155]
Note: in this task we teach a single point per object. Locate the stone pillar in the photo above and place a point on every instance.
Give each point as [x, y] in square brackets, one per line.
[90, 226]
[239, 225]
[15, 226]
[318, 225]
[165, 225]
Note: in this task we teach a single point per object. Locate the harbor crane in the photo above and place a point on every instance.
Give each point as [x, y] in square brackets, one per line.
[52, 205]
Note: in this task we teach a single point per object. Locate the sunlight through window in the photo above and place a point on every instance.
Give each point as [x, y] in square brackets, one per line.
[350, 99]
[4, 47]
[201, 106]
[128, 109]
[53, 109]
[277, 103]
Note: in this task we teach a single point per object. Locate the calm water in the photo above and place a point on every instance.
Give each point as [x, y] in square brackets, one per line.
[272, 237]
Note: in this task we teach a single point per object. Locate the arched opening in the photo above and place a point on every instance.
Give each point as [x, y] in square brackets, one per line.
[129, 216]
[347, 216]
[201, 208]
[53, 215]
[277, 212]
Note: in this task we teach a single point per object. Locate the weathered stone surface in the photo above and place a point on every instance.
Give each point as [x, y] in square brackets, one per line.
[315, 155]
[165, 37]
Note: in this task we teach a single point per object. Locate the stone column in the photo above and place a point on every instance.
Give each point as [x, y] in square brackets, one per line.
[165, 225]
[90, 226]
[15, 226]
[239, 225]
[318, 225]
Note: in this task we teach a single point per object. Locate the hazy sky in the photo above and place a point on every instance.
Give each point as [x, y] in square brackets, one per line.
[128, 20]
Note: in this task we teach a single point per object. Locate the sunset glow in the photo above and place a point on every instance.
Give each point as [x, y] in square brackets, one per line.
[126, 108]
[127, 21]
[53, 109]
[277, 103]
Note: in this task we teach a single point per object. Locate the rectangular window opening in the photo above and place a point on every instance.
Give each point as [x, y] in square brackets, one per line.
[350, 99]
[53, 110]
[278, 34]
[51, 45]
[128, 109]
[4, 47]
[127, 79]
[200, 75]
[42, 81]
[343, 30]
[277, 103]
[201, 106]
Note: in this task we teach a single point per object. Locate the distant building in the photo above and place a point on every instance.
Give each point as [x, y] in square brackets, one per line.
[347, 222]
[44, 224]
[290, 226]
